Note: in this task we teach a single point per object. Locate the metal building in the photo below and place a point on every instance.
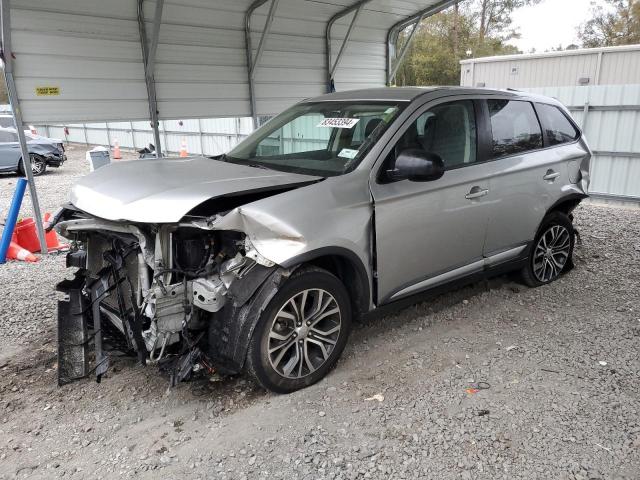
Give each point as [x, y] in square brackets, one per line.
[589, 66]
[601, 88]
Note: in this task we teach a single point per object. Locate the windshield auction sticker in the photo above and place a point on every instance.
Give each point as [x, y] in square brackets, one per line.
[348, 153]
[338, 122]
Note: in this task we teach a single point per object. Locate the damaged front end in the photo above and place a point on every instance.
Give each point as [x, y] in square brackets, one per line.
[166, 293]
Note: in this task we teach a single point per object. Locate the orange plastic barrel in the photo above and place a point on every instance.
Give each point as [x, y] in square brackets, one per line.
[27, 235]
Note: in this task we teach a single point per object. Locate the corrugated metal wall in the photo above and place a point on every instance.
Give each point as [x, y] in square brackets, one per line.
[595, 66]
[209, 136]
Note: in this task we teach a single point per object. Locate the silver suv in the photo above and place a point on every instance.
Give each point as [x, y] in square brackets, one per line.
[260, 259]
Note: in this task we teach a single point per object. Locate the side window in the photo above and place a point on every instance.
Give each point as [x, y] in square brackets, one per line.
[448, 130]
[8, 137]
[514, 126]
[557, 127]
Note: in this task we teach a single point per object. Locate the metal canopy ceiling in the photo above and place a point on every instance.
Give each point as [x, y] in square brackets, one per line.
[197, 58]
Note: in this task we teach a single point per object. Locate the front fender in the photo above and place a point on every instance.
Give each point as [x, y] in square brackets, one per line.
[230, 330]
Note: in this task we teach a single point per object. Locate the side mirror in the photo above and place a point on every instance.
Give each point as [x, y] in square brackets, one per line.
[417, 166]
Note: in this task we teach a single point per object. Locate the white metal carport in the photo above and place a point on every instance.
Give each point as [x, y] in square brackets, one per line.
[99, 60]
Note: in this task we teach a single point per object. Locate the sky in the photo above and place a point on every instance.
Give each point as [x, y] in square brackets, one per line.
[550, 23]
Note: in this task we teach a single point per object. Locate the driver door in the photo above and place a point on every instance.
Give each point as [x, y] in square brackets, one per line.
[429, 233]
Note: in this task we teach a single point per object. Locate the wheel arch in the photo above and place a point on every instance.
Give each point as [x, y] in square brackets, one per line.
[345, 265]
[230, 330]
[566, 204]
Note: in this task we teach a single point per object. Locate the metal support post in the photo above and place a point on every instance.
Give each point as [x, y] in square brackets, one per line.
[252, 63]
[403, 52]
[331, 68]
[201, 137]
[149, 59]
[7, 58]
[394, 31]
[585, 115]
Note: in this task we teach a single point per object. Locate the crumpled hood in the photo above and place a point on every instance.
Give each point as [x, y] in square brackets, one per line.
[164, 190]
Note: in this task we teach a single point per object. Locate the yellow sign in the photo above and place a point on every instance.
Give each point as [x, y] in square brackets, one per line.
[47, 91]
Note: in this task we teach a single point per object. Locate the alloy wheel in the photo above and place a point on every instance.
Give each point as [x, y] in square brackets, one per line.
[303, 333]
[37, 166]
[551, 253]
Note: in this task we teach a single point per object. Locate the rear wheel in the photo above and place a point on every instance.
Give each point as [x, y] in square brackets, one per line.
[38, 165]
[301, 333]
[552, 250]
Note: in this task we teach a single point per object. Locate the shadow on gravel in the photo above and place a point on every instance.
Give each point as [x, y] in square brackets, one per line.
[238, 390]
[392, 317]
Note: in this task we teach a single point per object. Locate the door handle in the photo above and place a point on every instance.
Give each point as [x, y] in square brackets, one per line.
[476, 192]
[551, 175]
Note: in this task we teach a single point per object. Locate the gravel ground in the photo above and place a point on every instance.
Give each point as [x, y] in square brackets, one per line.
[562, 364]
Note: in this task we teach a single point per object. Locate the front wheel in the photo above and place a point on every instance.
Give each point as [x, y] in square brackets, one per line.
[551, 252]
[301, 333]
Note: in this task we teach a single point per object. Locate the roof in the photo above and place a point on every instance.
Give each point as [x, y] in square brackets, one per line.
[407, 94]
[561, 53]
[401, 94]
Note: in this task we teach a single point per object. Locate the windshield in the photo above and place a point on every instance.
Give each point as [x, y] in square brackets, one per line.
[325, 138]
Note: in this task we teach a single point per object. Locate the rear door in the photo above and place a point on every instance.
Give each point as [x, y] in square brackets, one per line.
[9, 150]
[527, 176]
[428, 233]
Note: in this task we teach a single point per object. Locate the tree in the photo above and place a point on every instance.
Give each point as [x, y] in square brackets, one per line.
[617, 25]
[442, 40]
[495, 17]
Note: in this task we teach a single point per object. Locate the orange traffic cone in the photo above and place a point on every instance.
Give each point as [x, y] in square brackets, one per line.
[16, 252]
[183, 148]
[116, 150]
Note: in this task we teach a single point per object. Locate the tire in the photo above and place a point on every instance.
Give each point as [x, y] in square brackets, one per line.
[38, 165]
[552, 252]
[286, 352]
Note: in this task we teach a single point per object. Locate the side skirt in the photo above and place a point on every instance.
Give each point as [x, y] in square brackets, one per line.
[430, 293]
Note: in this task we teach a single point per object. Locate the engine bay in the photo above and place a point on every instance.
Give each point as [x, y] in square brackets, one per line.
[150, 291]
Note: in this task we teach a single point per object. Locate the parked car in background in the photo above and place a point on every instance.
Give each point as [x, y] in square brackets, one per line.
[258, 260]
[6, 121]
[44, 152]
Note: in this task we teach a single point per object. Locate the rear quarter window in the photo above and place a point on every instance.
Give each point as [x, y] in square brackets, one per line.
[514, 127]
[557, 127]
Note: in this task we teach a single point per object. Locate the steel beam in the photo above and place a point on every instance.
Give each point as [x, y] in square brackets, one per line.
[403, 52]
[251, 62]
[394, 31]
[331, 68]
[155, 35]
[263, 37]
[149, 59]
[7, 57]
